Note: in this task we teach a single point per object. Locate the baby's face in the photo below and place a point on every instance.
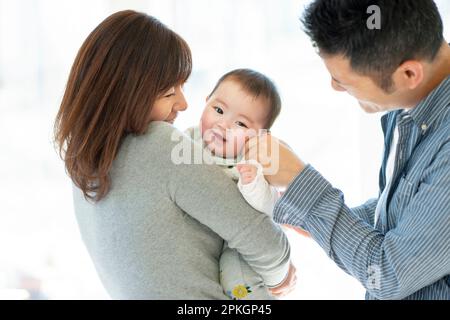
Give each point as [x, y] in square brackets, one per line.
[231, 114]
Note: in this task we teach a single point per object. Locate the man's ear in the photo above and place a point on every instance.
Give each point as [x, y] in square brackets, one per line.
[409, 74]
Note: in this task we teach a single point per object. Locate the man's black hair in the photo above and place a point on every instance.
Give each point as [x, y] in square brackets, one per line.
[410, 29]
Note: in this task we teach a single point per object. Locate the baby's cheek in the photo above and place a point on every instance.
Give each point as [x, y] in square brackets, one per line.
[239, 143]
[205, 127]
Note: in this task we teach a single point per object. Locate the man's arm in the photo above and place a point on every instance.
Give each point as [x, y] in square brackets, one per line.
[367, 211]
[392, 265]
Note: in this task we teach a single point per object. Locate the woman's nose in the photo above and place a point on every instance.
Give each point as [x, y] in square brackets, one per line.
[181, 104]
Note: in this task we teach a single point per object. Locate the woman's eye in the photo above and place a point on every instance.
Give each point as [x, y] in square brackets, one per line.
[170, 93]
[241, 124]
[218, 110]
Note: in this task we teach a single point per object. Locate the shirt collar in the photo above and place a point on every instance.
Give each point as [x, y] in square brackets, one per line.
[429, 109]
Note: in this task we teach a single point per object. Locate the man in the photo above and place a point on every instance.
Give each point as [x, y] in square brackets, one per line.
[397, 246]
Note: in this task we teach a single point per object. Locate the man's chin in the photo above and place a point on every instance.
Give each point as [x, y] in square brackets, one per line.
[369, 108]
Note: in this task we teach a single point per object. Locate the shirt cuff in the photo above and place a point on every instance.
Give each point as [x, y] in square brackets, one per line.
[300, 198]
[278, 278]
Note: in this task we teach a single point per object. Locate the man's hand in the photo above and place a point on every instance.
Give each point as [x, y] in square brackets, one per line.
[281, 165]
[298, 230]
[288, 285]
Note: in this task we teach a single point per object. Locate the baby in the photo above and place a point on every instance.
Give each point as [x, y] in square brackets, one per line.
[242, 103]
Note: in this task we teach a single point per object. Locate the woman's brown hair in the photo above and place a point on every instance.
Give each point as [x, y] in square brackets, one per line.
[123, 66]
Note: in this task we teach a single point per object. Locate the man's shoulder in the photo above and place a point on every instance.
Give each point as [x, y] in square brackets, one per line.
[443, 126]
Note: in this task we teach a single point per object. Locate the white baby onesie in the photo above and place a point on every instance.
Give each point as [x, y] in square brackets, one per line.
[258, 193]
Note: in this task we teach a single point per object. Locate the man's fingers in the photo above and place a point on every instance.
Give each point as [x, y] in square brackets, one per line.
[251, 149]
[288, 285]
[283, 292]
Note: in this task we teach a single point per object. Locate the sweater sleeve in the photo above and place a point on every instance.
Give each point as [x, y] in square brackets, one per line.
[205, 193]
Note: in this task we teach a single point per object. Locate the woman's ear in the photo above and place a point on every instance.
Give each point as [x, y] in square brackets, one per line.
[410, 74]
[207, 98]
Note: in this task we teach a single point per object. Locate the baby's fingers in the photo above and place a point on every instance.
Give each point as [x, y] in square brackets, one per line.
[246, 168]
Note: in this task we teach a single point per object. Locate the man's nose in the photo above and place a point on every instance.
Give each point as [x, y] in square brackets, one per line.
[336, 86]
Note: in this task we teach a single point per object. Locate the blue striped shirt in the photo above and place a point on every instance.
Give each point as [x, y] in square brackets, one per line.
[406, 254]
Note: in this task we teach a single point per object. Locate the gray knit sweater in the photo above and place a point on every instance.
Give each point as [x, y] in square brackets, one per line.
[159, 232]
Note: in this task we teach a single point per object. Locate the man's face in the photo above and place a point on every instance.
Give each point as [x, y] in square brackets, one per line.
[370, 96]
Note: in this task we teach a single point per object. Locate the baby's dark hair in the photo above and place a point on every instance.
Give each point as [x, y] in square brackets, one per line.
[258, 85]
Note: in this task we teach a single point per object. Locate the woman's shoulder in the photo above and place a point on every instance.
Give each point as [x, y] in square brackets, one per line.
[160, 136]
[162, 130]
[193, 133]
[161, 144]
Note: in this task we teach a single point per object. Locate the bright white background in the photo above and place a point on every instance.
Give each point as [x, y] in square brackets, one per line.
[40, 246]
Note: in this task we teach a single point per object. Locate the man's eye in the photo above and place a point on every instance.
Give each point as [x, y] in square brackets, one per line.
[218, 110]
[241, 124]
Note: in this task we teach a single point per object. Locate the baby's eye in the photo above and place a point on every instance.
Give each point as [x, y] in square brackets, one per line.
[218, 110]
[241, 124]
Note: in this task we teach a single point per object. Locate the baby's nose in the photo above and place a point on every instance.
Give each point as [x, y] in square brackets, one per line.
[223, 125]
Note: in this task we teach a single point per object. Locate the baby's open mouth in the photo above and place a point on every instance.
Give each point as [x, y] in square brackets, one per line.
[219, 137]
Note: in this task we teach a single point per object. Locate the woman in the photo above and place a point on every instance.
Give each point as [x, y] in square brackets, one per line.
[153, 229]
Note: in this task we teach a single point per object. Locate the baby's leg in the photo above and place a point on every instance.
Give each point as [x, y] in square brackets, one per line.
[239, 281]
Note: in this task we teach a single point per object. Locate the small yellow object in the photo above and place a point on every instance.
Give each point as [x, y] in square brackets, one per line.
[240, 291]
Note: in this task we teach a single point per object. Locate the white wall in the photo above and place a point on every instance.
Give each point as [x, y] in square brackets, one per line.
[38, 42]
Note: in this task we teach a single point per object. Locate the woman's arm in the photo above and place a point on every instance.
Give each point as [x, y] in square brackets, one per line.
[204, 192]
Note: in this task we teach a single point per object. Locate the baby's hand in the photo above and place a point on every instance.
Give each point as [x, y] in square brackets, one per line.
[247, 172]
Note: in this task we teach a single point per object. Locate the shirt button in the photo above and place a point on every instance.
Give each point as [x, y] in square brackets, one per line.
[424, 127]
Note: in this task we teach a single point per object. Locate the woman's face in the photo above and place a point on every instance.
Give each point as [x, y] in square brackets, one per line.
[166, 107]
